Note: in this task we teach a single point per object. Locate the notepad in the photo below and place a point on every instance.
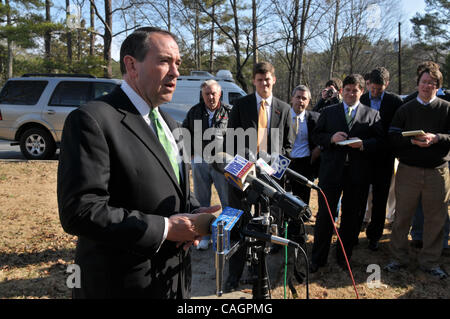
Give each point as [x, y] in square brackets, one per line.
[413, 133]
[348, 142]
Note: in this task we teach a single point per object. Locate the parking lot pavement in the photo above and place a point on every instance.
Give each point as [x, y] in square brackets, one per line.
[8, 152]
[13, 153]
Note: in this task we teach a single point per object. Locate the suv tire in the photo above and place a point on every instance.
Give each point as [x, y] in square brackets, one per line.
[37, 144]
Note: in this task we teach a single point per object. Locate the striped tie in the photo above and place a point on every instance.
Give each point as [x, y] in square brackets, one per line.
[349, 117]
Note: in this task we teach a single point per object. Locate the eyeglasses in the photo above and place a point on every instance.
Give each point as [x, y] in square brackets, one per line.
[426, 83]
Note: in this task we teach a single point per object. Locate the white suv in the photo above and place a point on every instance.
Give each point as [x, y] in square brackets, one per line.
[33, 108]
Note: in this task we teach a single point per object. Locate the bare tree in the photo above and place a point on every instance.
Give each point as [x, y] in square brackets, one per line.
[108, 30]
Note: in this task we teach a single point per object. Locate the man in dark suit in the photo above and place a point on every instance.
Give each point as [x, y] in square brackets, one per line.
[344, 168]
[383, 161]
[268, 122]
[122, 188]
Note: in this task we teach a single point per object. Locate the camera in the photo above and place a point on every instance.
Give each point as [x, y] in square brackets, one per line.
[329, 93]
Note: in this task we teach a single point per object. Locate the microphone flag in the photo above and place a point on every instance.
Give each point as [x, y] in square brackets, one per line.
[237, 170]
[280, 165]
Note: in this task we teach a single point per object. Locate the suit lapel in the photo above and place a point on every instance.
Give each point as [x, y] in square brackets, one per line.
[275, 114]
[252, 111]
[359, 114]
[342, 119]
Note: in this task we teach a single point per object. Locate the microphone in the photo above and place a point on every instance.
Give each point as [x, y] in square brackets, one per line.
[241, 173]
[270, 238]
[281, 165]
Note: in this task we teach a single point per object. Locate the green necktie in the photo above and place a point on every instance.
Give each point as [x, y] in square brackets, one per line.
[349, 116]
[165, 142]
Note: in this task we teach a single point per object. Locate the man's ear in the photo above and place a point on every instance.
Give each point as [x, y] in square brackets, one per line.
[130, 65]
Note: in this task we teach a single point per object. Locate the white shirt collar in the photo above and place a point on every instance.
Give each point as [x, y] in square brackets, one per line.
[423, 103]
[301, 115]
[142, 106]
[259, 99]
[346, 106]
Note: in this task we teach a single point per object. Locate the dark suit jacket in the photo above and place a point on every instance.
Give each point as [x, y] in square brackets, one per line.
[244, 114]
[366, 125]
[311, 121]
[389, 105]
[115, 186]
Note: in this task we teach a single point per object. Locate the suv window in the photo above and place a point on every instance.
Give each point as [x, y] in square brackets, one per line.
[22, 92]
[233, 96]
[71, 93]
[103, 88]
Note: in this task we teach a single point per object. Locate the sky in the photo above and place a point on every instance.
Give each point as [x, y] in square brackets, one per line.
[408, 7]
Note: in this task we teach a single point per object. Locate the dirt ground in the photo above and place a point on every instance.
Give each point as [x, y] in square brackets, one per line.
[35, 252]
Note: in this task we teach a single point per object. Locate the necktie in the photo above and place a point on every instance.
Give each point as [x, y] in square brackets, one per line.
[262, 127]
[165, 142]
[349, 116]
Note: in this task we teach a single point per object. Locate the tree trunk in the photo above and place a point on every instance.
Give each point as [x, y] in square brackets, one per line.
[92, 34]
[294, 50]
[69, 34]
[9, 42]
[211, 46]
[255, 33]
[168, 16]
[47, 37]
[237, 48]
[197, 38]
[302, 42]
[334, 44]
[108, 39]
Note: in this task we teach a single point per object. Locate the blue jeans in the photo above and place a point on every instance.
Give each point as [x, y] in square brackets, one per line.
[417, 226]
[204, 176]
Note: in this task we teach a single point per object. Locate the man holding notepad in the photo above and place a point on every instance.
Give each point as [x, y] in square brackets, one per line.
[419, 135]
[349, 134]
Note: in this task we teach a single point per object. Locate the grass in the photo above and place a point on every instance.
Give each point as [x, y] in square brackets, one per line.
[35, 252]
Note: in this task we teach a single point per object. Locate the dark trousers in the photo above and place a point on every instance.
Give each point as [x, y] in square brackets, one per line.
[303, 167]
[354, 198]
[381, 182]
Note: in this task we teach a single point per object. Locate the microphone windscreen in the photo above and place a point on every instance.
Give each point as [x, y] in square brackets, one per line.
[202, 223]
[221, 161]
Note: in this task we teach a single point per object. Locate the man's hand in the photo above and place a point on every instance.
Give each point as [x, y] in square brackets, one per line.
[338, 137]
[315, 154]
[181, 227]
[425, 140]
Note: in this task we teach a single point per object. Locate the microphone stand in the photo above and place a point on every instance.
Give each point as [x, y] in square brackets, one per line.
[261, 224]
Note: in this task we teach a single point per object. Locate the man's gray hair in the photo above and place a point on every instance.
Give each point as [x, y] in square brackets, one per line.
[209, 83]
[302, 88]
